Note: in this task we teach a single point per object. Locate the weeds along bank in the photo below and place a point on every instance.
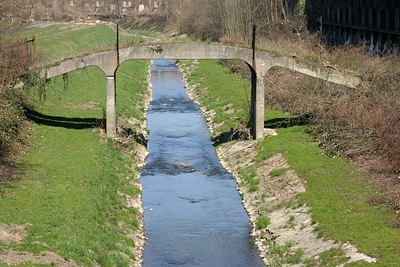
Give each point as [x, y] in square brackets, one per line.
[76, 202]
[306, 206]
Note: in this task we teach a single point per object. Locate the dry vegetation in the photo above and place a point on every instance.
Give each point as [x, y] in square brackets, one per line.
[362, 125]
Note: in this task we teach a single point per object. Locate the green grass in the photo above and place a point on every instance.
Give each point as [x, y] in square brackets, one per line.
[71, 179]
[330, 258]
[143, 33]
[262, 223]
[249, 175]
[337, 193]
[63, 40]
[227, 90]
[281, 254]
[131, 86]
[70, 198]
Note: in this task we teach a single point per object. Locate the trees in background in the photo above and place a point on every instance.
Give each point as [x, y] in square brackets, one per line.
[201, 19]
[212, 19]
[12, 12]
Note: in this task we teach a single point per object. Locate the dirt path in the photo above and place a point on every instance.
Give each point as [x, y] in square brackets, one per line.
[15, 234]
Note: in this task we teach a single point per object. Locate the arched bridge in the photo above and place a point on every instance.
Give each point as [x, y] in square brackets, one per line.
[259, 63]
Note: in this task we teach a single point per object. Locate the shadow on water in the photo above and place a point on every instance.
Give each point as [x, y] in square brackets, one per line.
[57, 121]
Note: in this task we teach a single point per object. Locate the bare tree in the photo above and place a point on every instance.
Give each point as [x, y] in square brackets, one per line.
[11, 14]
[202, 19]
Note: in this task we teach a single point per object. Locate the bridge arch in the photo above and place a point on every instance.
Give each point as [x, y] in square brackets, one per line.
[259, 63]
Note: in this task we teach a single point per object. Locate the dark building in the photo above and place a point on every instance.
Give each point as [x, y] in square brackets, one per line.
[375, 23]
[78, 10]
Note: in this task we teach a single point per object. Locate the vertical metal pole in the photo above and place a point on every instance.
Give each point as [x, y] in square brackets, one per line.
[117, 44]
[118, 14]
[34, 50]
[253, 46]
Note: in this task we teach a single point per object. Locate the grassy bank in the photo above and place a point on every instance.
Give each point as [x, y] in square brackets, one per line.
[75, 184]
[53, 43]
[339, 196]
[58, 41]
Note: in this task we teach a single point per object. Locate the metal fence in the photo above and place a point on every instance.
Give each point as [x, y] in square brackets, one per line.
[375, 22]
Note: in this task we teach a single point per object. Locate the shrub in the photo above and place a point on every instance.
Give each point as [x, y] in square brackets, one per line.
[13, 124]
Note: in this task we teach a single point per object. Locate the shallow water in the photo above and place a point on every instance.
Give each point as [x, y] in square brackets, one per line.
[193, 213]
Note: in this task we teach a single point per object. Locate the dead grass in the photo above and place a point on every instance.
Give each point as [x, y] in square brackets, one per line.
[362, 125]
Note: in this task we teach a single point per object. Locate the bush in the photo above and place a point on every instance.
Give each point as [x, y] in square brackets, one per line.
[14, 129]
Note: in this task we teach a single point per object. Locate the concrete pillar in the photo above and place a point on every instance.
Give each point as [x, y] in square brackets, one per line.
[111, 115]
[257, 106]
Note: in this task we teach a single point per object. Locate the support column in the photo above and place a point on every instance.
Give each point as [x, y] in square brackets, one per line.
[257, 106]
[110, 107]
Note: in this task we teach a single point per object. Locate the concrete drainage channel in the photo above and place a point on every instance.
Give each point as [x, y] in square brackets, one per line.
[193, 212]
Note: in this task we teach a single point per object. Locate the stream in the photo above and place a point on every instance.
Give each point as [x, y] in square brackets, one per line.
[193, 212]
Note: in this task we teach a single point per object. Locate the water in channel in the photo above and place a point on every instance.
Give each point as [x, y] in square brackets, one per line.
[193, 212]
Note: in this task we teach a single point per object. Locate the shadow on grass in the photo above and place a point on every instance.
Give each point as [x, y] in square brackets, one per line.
[275, 123]
[9, 173]
[69, 123]
[278, 123]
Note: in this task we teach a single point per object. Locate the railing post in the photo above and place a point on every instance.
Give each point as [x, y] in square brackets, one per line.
[110, 107]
